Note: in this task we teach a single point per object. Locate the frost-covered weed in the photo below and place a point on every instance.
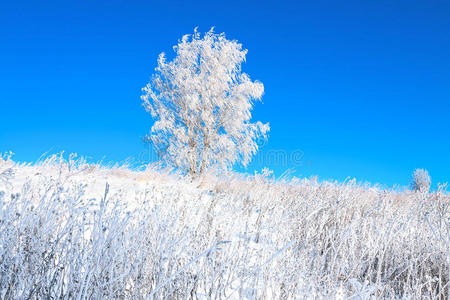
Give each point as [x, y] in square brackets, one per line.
[73, 230]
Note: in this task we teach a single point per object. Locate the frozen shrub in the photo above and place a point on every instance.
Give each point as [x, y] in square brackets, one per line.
[420, 181]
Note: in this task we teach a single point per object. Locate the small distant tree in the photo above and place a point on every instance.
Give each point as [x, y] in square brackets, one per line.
[420, 181]
[201, 102]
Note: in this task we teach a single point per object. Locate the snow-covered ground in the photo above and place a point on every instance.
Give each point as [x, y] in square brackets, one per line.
[73, 230]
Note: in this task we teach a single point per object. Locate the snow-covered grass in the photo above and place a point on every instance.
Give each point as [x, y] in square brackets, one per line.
[69, 229]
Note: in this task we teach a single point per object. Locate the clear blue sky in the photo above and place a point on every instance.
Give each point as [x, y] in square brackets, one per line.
[361, 88]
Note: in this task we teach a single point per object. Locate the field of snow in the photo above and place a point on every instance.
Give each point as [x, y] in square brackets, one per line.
[73, 230]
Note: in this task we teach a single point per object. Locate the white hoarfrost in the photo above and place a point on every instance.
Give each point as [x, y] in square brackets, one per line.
[70, 230]
[201, 102]
[420, 181]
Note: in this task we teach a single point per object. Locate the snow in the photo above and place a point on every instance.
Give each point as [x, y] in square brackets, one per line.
[73, 230]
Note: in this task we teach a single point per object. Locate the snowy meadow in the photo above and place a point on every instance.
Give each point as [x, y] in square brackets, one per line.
[69, 229]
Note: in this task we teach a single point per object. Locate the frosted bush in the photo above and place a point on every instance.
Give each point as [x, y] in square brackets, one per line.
[421, 181]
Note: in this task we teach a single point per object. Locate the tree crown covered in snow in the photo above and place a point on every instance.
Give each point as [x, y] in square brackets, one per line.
[421, 181]
[201, 102]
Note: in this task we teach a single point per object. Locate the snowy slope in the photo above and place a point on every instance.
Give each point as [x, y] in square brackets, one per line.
[73, 230]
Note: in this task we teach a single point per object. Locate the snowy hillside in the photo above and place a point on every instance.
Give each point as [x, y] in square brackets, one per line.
[73, 230]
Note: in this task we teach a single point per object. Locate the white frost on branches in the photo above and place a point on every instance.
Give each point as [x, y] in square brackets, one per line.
[421, 181]
[201, 102]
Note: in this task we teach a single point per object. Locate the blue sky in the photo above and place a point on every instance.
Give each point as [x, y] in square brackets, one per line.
[352, 88]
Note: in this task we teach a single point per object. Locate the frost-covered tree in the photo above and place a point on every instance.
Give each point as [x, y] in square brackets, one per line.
[420, 181]
[201, 102]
